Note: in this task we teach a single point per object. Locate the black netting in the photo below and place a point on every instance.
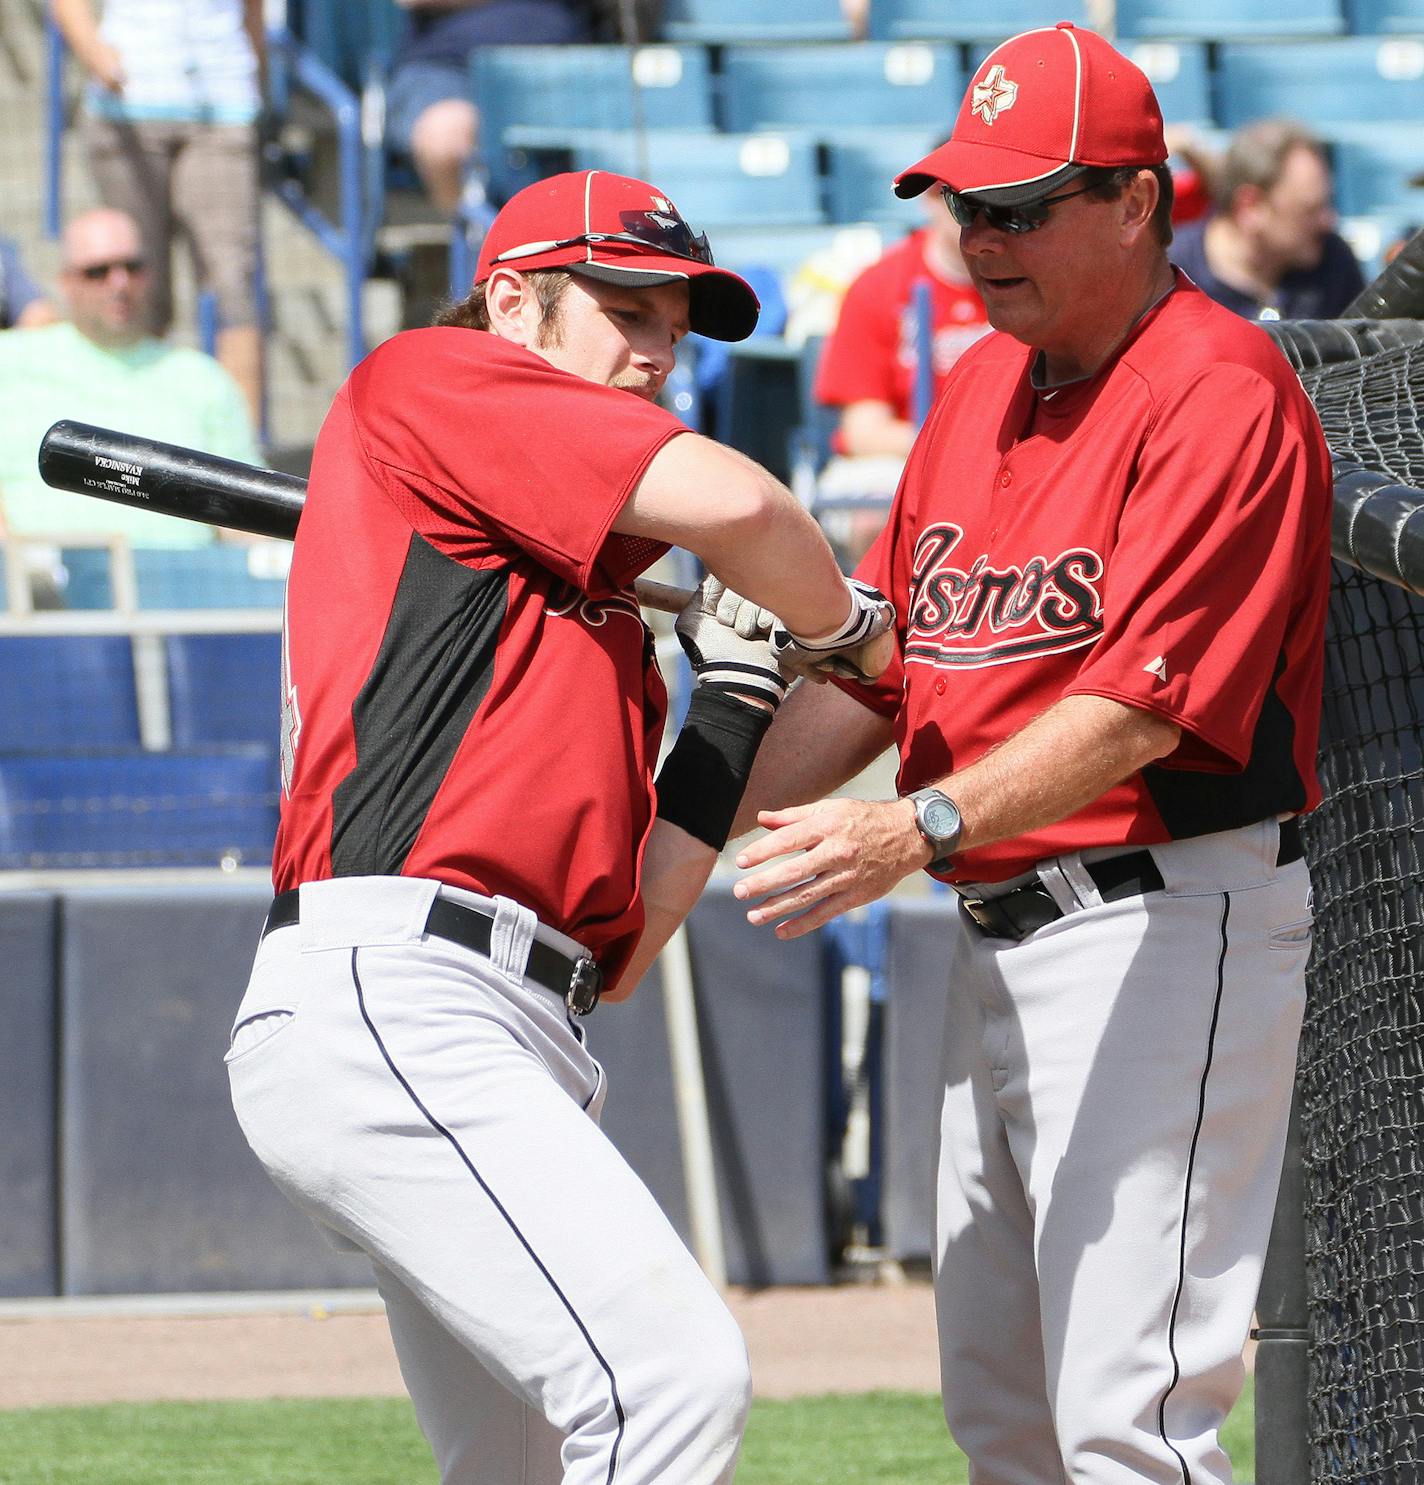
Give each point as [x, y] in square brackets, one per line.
[1362, 1054]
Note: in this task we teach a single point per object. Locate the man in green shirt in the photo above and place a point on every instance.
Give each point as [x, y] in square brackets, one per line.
[101, 367]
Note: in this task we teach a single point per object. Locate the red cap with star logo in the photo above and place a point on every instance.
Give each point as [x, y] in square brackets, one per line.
[623, 231]
[1042, 108]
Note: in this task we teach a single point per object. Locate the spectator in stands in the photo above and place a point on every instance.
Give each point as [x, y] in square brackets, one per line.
[1269, 250]
[101, 366]
[869, 366]
[170, 130]
[430, 114]
[22, 303]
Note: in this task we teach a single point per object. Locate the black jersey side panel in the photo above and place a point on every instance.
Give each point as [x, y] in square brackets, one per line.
[1193, 803]
[434, 668]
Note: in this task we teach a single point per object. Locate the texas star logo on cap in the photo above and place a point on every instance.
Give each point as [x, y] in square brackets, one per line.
[994, 94]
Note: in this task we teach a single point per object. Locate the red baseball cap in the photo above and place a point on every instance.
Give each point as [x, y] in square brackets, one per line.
[623, 231]
[1044, 107]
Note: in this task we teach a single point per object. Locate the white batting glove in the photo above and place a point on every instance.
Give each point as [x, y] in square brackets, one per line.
[726, 639]
[859, 650]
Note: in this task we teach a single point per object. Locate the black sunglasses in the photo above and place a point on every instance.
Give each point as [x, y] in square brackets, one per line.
[96, 271]
[1016, 219]
[668, 235]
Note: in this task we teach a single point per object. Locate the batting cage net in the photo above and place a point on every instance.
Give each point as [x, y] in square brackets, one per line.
[1361, 1076]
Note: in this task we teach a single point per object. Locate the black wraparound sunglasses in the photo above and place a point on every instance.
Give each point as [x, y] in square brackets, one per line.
[1016, 219]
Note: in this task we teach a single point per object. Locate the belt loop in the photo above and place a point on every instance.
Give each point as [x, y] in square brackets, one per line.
[1067, 883]
[511, 937]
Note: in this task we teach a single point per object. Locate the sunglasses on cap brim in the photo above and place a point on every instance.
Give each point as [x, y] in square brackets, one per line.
[673, 239]
[1028, 217]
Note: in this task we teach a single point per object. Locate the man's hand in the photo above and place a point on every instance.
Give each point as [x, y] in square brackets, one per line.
[859, 650]
[854, 851]
[726, 641]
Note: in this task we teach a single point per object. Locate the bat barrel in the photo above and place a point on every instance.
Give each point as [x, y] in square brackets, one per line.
[122, 467]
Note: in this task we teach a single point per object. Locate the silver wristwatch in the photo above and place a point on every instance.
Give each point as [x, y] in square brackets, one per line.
[938, 820]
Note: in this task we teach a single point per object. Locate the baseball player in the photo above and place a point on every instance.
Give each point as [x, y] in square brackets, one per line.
[1109, 559]
[468, 858]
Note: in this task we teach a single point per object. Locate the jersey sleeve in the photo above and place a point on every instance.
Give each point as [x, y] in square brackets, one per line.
[1209, 551]
[489, 450]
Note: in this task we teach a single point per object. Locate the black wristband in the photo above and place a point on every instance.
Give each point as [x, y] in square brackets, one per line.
[703, 778]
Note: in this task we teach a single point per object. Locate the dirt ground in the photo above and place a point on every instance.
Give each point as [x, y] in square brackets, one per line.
[851, 1338]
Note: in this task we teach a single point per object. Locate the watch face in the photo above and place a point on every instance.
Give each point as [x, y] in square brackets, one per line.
[940, 818]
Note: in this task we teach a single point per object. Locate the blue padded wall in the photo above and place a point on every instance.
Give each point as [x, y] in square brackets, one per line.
[224, 688]
[924, 933]
[761, 1023]
[131, 808]
[67, 691]
[28, 1259]
[159, 1189]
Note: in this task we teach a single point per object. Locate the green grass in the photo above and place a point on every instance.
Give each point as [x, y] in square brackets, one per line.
[882, 1438]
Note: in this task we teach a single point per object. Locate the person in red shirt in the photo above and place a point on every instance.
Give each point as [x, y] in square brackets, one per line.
[469, 857]
[1109, 559]
[870, 363]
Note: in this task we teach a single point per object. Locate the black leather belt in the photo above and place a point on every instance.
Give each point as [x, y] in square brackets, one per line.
[1028, 908]
[578, 981]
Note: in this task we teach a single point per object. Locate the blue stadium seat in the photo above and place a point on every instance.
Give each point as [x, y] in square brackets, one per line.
[839, 89]
[968, 20]
[1180, 76]
[67, 691]
[1381, 17]
[783, 249]
[722, 21]
[718, 178]
[548, 95]
[131, 808]
[1221, 20]
[199, 577]
[1355, 81]
[223, 688]
[1372, 174]
[352, 37]
[860, 176]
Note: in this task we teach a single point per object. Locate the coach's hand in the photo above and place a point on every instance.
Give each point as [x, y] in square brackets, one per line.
[859, 650]
[726, 639]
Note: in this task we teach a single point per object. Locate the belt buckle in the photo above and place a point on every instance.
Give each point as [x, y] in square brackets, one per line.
[976, 909]
[585, 986]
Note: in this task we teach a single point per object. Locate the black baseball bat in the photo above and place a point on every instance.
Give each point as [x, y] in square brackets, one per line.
[173, 481]
[142, 472]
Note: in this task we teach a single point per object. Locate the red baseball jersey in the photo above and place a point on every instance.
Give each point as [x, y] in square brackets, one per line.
[469, 690]
[872, 354]
[1158, 534]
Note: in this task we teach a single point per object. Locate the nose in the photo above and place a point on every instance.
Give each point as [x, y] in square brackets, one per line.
[659, 357]
[979, 236]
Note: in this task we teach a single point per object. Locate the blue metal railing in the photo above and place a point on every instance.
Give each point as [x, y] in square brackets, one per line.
[344, 239]
[54, 126]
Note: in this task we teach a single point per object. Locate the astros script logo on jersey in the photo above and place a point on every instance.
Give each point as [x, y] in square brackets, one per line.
[964, 617]
[595, 611]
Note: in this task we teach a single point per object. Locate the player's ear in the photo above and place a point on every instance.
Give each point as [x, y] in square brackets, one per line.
[1137, 203]
[513, 307]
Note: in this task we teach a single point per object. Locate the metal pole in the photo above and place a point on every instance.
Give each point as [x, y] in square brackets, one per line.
[1282, 1381]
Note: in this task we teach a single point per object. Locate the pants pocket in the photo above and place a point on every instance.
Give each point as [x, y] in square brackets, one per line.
[256, 1030]
[1292, 935]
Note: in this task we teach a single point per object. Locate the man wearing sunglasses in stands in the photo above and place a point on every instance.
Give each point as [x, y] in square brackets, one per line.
[102, 366]
[468, 858]
[1109, 561]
